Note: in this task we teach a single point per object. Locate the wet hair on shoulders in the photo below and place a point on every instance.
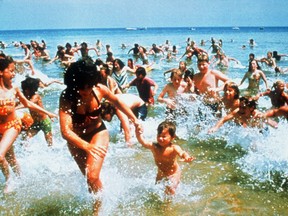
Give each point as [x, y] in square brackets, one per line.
[120, 62]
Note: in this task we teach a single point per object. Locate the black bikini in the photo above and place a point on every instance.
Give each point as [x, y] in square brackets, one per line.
[88, 137]
[80, 118]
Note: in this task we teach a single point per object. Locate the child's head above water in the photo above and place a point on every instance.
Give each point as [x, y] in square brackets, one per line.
[167, 125]
[279, 85]
[175, 73]
[234, 86]
[107, 111]
[30, 86]
[141, 71]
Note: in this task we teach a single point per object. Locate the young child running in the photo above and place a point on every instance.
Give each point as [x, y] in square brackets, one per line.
[165, 155]
[41, 121]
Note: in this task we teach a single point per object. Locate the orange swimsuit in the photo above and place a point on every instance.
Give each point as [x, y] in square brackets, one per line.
[16, 123]
[4, 105]
[4, 108]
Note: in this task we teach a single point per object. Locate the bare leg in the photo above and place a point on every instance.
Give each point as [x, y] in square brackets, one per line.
[49, 138]
[11, 158]
[5, 144]
[5, 170]
[91, 165]
[96, 207]
[94, 164]
[174, 181]
[80, 157]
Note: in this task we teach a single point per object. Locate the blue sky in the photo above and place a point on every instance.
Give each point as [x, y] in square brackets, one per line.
[51, 14]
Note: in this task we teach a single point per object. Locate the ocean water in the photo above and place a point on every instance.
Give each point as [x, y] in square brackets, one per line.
[238, 171]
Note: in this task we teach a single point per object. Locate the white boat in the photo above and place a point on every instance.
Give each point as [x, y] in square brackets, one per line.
[192, 29]
[236, 28]
[131, 29]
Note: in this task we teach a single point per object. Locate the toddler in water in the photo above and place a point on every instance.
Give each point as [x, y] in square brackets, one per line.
[165, 155]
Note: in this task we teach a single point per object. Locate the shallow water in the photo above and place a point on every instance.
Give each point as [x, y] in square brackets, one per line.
[237, 171]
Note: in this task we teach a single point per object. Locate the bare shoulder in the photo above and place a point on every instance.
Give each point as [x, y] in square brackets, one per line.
[216, 72]
[176, 147]
[168, 87]
[100, 86]
[65, 105]
[219, 75]
[15, 91]
[284, 109]
[36, 97]
[284, 94]
[101, 90]
[197, 75]
[261, 72]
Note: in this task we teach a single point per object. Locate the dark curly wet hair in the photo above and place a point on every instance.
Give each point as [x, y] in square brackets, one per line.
[80, 74]
[30, 84]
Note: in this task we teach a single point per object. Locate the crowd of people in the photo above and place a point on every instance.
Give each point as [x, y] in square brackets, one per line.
[96, 90]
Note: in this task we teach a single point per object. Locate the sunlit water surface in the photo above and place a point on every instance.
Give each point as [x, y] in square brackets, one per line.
[238, 171]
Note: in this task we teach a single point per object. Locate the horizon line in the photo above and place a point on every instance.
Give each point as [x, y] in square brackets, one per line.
[141, 28]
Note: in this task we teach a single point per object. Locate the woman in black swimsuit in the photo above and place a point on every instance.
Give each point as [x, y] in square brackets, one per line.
[80, 119]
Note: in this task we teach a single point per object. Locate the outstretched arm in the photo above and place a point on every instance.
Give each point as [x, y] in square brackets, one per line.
[120, 105]
[142, 141]
[222, 121]
[154, 91]
[261, 94]
[243, 79]
[183, 154]
[32, 105]
[233, 59]
[168, 71]
[282, 111]
[125, 125]
[170, 102]
[264, 79]
[96, 51]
